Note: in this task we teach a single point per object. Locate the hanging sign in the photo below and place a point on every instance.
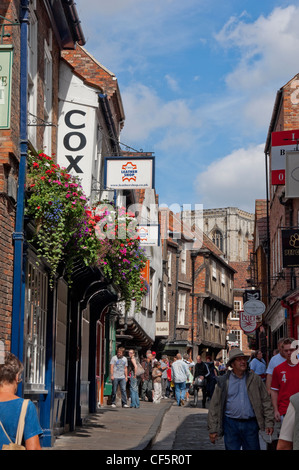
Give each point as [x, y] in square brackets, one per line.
[6, 59]
[281, 143]
[129, 172]
[248, 323]
[162, 328]
[254, 307]
[292, 175]
[149, 235]
[290, 248]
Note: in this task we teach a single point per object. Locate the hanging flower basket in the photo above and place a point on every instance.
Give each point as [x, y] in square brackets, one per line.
[68, 229]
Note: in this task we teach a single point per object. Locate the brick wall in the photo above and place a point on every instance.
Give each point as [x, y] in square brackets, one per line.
[9, 145]
[9, 161]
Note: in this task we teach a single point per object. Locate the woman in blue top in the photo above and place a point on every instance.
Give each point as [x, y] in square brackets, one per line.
[10, 406]
[258, 365]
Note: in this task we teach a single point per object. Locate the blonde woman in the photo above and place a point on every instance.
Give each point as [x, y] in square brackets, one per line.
[10, 406]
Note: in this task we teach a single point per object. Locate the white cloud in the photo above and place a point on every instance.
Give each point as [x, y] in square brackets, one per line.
[266, 59]
[267, 46]
[235, 180]
[148, 116]
[172, 83]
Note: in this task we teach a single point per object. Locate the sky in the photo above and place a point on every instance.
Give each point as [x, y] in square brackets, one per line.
[198, 81]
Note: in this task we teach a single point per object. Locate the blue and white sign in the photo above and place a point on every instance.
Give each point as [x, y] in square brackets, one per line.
[129, 173]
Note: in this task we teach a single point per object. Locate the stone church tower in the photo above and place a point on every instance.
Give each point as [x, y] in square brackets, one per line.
[231, 229]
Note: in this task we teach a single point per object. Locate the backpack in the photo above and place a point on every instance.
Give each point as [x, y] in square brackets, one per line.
[17, 445]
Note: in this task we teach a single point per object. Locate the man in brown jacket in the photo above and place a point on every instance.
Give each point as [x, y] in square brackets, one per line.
[240, 406]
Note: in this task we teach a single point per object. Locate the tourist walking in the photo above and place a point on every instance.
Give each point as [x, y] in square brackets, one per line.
[133, 380]
[240, 406]
[119, 376]
[180, 375]
[285, 381]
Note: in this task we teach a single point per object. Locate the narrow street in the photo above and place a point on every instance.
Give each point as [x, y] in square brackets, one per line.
[185, 428]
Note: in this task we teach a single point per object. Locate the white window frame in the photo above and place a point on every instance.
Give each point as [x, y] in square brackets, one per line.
[214, 270]
[235, 315]
[223, 276]
[183, 260]
[48, 89]
[169, 259]
[182, 309]
[35, 327]
[32, 70]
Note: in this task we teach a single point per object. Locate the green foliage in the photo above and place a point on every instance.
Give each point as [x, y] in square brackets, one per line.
[68, 229]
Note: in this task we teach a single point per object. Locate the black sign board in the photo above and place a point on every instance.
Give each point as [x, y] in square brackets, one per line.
[251, 294]
[290, 248]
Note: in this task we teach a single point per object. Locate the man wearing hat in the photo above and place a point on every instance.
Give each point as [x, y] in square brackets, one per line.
[240, 406]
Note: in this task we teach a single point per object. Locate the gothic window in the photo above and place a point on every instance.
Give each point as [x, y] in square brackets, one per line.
[217, 238]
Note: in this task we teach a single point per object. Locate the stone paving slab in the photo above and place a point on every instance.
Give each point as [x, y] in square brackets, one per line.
[185, 428]
[116, 429]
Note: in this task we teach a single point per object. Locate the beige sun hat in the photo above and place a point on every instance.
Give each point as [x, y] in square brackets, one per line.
[234, 353]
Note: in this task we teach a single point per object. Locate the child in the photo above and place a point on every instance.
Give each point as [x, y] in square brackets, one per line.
[156, 375]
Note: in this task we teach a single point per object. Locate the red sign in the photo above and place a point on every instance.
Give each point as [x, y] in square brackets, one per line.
[281, 143]
[248, 323]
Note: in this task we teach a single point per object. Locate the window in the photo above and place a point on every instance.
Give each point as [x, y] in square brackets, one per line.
[217, 238]
[235, 315]
[164, 299]
[182, 309]
[237, 335]
[169, 267]
[183, 261]
[47, 97]
[35, 327]
[223, 276]
[32, 71]
[216, 317]
[214, 270]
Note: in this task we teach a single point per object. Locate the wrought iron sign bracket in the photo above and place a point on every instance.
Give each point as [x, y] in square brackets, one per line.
[4, 25]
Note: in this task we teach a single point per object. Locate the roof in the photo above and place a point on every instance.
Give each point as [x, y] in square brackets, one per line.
[93, 73]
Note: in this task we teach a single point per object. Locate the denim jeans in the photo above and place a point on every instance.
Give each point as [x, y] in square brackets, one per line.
[122, 383]
[180, 391]
[241, 434]
[134, 392]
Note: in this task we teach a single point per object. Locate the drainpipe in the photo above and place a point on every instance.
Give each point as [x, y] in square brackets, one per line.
[176, 293]
[288, 307]
[17, 332]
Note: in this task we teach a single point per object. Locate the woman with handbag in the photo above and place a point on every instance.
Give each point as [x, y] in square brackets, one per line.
[133, 374]
[201, 372]
[18, 417]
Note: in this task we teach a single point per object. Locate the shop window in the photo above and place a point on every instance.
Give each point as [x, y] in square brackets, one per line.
[35, 327]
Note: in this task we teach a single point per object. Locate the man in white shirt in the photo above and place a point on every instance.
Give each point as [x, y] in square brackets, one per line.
[119, 376]
[274, 361]
[179, 375]
[289, 437]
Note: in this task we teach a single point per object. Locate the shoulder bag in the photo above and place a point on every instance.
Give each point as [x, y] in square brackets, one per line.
[17, 445]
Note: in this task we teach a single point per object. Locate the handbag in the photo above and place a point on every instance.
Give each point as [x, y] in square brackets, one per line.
[17, 445]
[140, 369]
[199, 383]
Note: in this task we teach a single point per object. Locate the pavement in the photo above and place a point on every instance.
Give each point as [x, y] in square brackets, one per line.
[117, 428]
[155, 427]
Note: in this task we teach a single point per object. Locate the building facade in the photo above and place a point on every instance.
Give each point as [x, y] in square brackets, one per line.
[231, 229]
[281, 317]
[197, 289]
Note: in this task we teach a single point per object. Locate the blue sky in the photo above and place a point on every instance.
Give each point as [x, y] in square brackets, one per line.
[198, 81]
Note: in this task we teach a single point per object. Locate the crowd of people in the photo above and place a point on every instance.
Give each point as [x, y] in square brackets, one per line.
[150, 379]
[252, 396]
[246, 394]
